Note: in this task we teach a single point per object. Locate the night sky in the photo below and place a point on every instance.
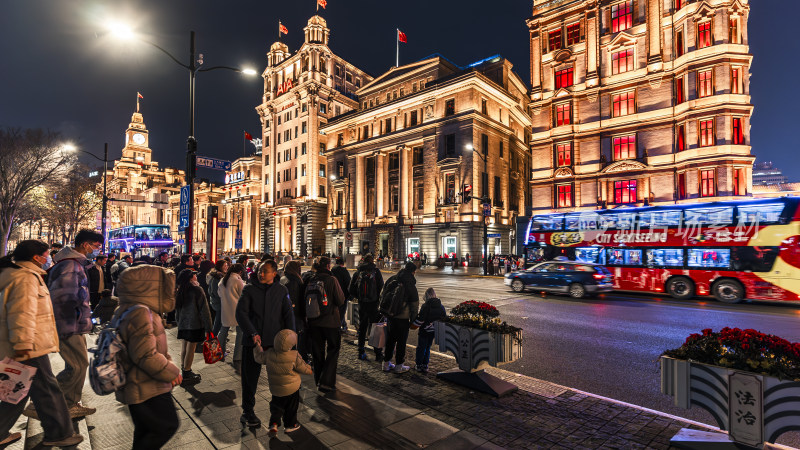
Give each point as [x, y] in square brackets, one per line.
[57, 73]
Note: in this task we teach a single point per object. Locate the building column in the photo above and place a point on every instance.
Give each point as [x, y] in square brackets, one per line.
[654, 61]
[536, 63]
[592, 48]
[380, 181]
[404, 183]
[358, 178]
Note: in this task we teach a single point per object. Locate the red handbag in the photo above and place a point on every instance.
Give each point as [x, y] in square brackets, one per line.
[212, 351]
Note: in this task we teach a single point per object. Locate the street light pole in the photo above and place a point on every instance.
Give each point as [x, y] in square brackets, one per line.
[105, 196]
[485, 196]
[191, 148]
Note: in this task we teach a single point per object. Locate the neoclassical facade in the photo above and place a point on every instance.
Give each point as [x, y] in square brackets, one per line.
[241, 204]
[428, 140]
[139, 190]
[639, 102]
[301, 92]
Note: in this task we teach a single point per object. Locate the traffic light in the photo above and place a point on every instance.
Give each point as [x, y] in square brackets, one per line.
[466, 193]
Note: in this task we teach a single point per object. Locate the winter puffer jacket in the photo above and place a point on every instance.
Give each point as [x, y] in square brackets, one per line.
[149, 370]
[335, 296]
[431, 311]
[26, 314]
[230, 294]
[213, 278]
[69, 292]
[412, 296]
[283, 364]
[193, 314]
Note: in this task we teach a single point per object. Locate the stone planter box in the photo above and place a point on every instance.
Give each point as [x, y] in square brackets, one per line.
[351, 315]
[753, 408]
[475, 350]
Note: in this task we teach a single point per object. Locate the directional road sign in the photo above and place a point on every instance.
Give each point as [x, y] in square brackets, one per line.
[184, 211]
[493, 235]
[238, 243]
[213, 163]
[487, 209]
[222, 224]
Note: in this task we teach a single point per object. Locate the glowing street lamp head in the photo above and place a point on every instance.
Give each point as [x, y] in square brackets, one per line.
[121, 31]
[333, 177]
[249, 72]
[69, 147]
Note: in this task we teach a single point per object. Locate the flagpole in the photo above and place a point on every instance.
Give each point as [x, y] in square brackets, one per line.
[397, 42]
[244, 153]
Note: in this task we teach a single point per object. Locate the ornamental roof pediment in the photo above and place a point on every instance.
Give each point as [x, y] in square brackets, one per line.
[562, 92]
[703, 11]
[624, 166]
[623, 39]
[562, 55]
[563, 172]
[737, 7]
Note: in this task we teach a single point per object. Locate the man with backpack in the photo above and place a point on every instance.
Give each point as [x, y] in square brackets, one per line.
[366, 286]
[323, 297]
[123, 263]
[400, 304]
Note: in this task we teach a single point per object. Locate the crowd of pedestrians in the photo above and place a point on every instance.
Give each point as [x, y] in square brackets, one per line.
[285, 319]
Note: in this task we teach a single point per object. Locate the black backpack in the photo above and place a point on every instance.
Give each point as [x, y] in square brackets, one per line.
[316, 300]
[367, 287]
[393, 298]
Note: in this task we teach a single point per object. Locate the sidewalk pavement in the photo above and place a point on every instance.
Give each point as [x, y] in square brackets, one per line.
[447, 270]
[373, 409]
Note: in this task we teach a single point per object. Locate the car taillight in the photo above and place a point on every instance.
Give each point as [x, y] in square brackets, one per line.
[598, 276]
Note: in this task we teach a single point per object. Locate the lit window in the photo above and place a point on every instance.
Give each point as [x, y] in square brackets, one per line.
[704, 35]
[706, 133]
[564, 78]
[625, 191]
[624, 147]
[554, 39]
[736, 80]
[622, 16]
[622, 61]
[563, 114]
[733, 30]
[564, 154]
[564, 195]
[738, 133]
[679, 47]
[449, 107]
[681, 137]
[623, 104]
[739, 188]
[705, 85]
[707, 183]
[573, 33]
[680, 97]
[679, 4]
[682, 186]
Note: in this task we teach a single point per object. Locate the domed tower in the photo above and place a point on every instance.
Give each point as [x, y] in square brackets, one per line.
[317, 31]
[277, 53]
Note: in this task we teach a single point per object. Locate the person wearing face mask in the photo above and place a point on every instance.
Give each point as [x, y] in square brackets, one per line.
[28, 335]
[69, 292]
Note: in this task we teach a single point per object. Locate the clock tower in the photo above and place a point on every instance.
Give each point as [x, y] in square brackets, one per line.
[137, 141]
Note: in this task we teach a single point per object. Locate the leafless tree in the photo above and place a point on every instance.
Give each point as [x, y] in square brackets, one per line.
[72, 201]
[28, 158]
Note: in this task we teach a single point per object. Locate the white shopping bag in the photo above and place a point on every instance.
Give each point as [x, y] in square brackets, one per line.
[15, 380]
[377, 335]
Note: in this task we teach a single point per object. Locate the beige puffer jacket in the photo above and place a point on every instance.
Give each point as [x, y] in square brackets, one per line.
[284, 365]
[149, 370]
[26, 317]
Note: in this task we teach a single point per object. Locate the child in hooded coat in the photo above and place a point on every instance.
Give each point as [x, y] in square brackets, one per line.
[284, 367]
[431, 311]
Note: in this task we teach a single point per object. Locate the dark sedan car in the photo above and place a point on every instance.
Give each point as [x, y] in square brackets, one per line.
[569, 277]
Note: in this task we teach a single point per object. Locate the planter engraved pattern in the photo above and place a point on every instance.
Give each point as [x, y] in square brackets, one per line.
[709, 387]
[476, 349]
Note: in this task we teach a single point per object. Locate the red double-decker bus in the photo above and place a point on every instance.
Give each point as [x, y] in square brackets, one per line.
[729, 250]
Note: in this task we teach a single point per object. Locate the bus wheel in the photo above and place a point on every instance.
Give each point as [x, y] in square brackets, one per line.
[681, 288]
[576, 290]
[517, 285]
[728, 291]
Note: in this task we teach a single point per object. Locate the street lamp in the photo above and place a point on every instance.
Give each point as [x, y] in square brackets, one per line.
[191, 143]
[484, 200]
[105, 179]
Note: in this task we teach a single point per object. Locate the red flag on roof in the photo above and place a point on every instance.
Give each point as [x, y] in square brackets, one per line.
[402, 37]
[322, 3]
[139, 95]
[248, 136]
[282, 29]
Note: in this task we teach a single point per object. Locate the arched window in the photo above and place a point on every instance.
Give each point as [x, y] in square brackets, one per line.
[323, 65]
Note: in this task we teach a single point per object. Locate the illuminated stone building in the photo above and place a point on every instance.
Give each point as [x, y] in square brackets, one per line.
[205, 194]
[639, 102]
[425, 134]
[302, 90]
[241, 204]
[139, 188]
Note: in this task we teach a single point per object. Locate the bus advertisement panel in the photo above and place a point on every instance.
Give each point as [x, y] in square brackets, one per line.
[731, 250]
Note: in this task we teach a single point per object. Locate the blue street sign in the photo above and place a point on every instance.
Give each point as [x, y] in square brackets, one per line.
[213, 163]
[487, 209]
[493, 235]
[239, 234]
[180, 241]
[222, 224]
[238, 243]
[184, 211]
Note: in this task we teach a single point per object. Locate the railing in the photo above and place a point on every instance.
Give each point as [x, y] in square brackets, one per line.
[285, 201]
[449, 200]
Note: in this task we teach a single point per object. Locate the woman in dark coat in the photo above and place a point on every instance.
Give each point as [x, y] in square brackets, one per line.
[194, 320]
